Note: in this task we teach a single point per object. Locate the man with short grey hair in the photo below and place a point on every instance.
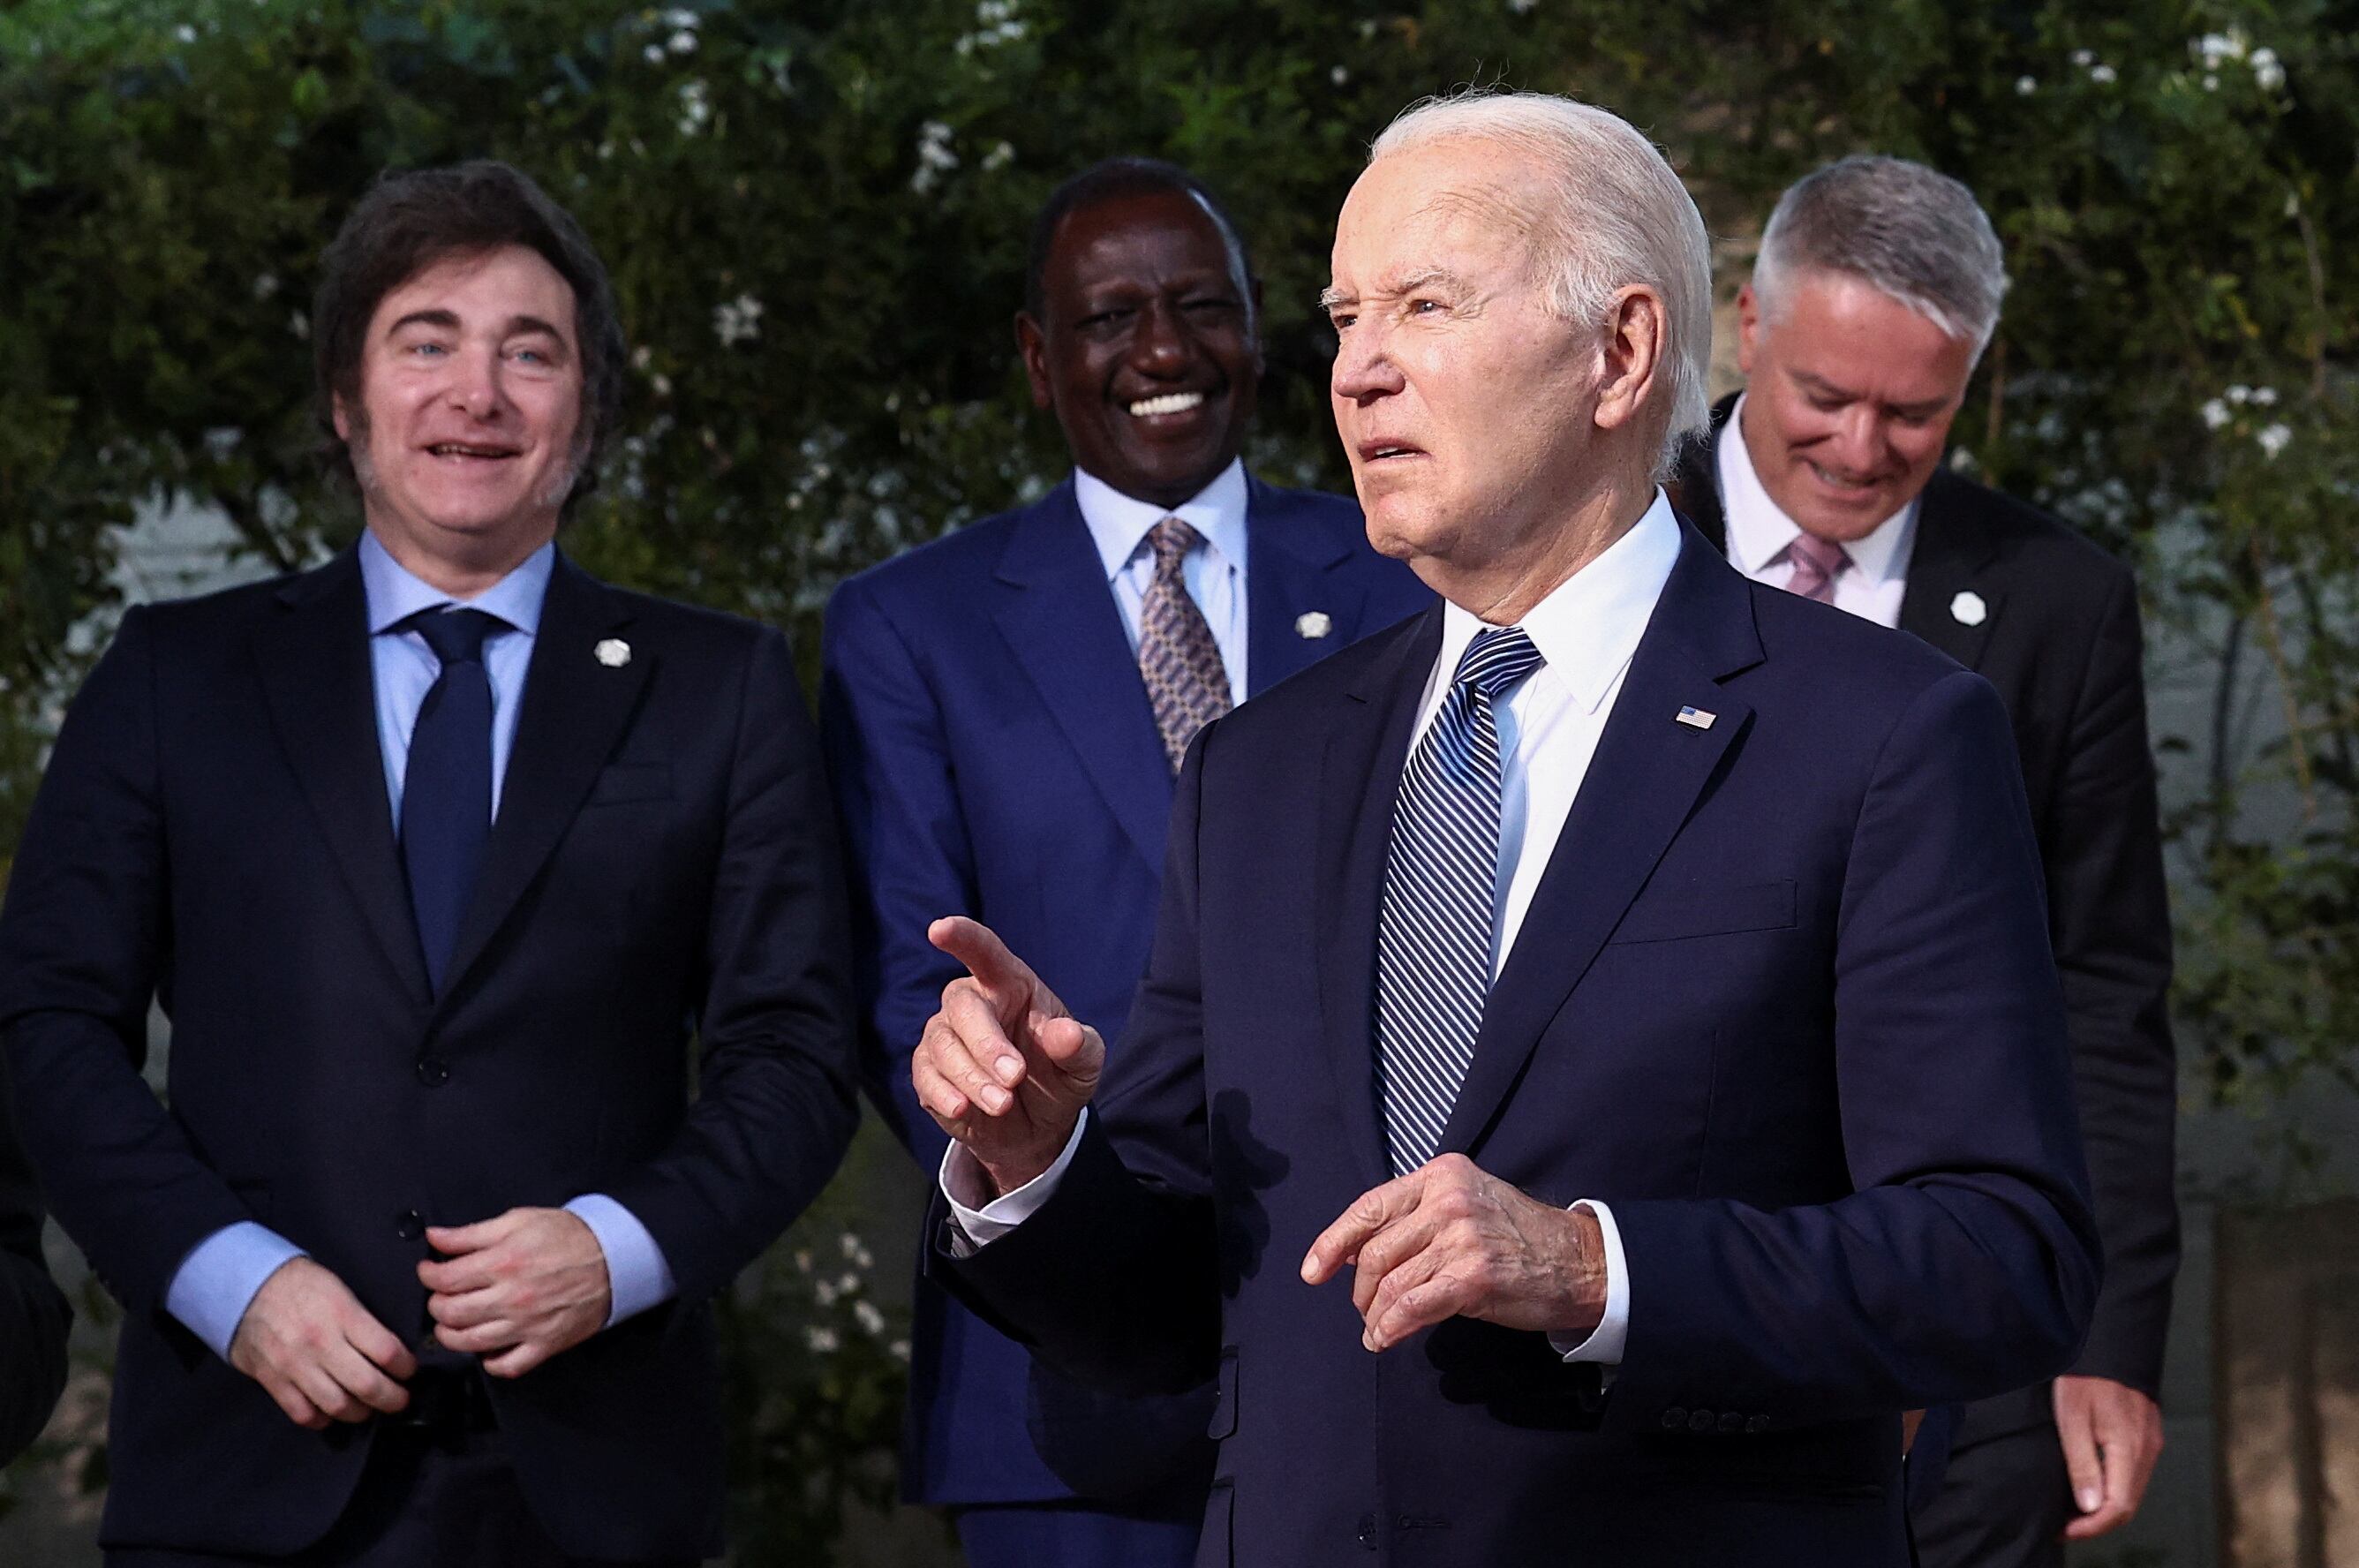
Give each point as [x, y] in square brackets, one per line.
[1876, 290]
[1562, 966]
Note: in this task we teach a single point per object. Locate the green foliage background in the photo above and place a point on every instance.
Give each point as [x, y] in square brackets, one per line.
[816, 212]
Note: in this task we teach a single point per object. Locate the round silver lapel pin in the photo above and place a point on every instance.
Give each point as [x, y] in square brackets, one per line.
[1968, 609]
[613, 652]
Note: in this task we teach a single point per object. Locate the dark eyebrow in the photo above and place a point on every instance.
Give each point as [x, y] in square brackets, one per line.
[446, 320]
[520, 325]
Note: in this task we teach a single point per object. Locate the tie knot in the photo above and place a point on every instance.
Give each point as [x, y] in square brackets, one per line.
[456, 636]
[1824, 557]
[1171, 539]
[1496, 659]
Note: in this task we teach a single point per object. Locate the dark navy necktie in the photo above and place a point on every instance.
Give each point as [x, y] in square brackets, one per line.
[446, 792]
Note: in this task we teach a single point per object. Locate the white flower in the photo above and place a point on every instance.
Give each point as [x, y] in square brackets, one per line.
[265, 286]
[2025, 86]
[2240, 395]
[2273, 439]
[2215, 414]
[695, 107]
[802, 1259]
[2264, 396]
[2213, 49]
[683, 42]
[655, 54]
[934, 157]
[871, 1320]
[900, 1349]
[2268, 71]
[2211, 83]
[999, 158]
[826, 1292]
[1522, 8]
[823, 1340]
[1339, 76]
[737, 320]
[854, 1248]
[187, 35]
[2103, 74]
[661, 382]
[2084, 58]
[681, 18]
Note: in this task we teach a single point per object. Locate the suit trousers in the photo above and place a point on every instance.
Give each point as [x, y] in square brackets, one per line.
[2002, 1504]
[1075, 1535]
[424, 1501]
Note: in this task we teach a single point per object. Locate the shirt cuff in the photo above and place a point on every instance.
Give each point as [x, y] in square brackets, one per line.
[220, 1276]
[980, 1224]
[1605, 1341]
[637, 1277]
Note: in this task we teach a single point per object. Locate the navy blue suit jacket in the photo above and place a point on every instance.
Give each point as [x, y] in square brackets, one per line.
[994, 754]
[213, 833]
[1783, 997]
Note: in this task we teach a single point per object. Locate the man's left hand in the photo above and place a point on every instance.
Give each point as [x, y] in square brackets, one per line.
[517, 1289]
[1448, 1241]
[2113, 1435]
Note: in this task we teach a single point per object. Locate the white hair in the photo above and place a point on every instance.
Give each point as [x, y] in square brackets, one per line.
[1621, 218]
[1915, 236]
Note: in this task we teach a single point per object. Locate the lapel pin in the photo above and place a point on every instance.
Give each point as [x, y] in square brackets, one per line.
[1968, 609]
[613, 653]
[1314, 624]
[1696, 718]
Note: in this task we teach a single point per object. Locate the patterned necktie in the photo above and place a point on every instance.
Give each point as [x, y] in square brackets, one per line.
[1817, 564]
[1433, 934]
[1185, 679]
[446, 792]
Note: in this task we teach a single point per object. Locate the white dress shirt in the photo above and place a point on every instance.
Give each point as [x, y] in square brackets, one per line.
[1214, 572]
[1587, 630]
[1759, 530]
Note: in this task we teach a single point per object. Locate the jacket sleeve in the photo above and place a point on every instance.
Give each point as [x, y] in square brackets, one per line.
[1965, 1261]
[34, 1316]
[911, 862]
[2110, 919]
[83, 941]
[774, 1106]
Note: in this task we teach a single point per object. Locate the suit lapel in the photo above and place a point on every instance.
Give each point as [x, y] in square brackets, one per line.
[1060, 619]
[1643, 781]
[1290, 574]
[1952, 598]
[575, 711]
[313, 659]
[1360, 774]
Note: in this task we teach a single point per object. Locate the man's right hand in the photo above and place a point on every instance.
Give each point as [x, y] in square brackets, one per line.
[1004, 1068]
[306, 1339]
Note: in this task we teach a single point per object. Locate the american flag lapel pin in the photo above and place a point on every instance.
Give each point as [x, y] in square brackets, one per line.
[1696, 718]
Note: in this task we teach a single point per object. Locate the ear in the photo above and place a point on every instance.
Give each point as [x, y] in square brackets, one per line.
[1748, 324]
[342, 420]
[1032, 345]
[1636, 337]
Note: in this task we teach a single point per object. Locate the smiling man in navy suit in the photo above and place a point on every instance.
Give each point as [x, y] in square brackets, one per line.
[1601, 1061]
[1005, 712]
[435, 857]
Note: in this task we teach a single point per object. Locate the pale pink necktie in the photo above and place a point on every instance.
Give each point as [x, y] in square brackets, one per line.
[1817, 564]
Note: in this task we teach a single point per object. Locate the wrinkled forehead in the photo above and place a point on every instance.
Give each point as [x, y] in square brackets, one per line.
[1455, 202]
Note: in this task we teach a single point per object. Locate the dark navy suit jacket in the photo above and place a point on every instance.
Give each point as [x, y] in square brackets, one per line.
[994, 754]
[212, 832]
[1783, 999]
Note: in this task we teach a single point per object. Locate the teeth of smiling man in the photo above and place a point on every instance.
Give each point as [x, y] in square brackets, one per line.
[1169, 403]
[451, 449]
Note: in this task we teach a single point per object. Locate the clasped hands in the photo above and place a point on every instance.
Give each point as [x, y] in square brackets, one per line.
[1005, 1068]
[515, 1289]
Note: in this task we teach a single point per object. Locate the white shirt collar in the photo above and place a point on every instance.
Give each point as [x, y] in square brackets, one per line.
[1119, 523]
[395, 594]
[1588, 627]
[1759, 529]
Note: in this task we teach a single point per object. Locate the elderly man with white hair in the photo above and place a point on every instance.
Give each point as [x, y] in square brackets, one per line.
[1601, 1061]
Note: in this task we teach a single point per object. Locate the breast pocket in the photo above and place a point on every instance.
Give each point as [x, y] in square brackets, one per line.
[1675, 914]
[626, 781]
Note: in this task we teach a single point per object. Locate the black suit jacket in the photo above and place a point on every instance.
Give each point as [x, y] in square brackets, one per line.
[33, 1313]
[214, 833]
[2059, 637]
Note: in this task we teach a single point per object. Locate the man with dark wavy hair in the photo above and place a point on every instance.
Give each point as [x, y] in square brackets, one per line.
[436, 856]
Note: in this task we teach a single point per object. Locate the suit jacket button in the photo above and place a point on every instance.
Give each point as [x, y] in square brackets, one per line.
[1758, 1424]
[1699, 1422]
[1732, 1422]
[433, 1072]
[1674, 1418]
[410, 1226]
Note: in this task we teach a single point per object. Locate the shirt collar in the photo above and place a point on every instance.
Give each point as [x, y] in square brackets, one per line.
[1590, 625]
[395, 594]
[1759, 530]
[1118, 524]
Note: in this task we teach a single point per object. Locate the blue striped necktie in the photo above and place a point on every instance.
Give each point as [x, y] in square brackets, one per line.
[1442, 868]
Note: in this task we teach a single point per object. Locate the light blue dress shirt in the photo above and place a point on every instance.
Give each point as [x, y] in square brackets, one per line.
[217, 1281]
[1214, 572]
